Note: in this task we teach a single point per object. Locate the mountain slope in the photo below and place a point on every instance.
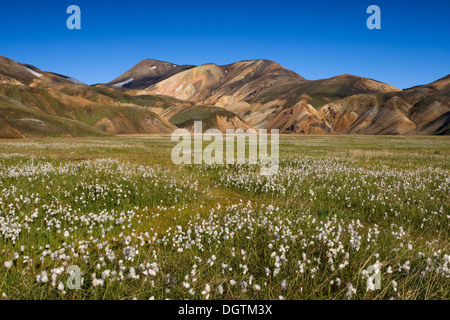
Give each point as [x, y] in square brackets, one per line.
[115, 113]
[37, 103]
[224, 85]
[265, 94]
[20, 121]
[211, 118]
[419, 110]
[12, 72]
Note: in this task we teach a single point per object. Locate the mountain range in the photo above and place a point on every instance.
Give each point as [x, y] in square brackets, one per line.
[156, 97]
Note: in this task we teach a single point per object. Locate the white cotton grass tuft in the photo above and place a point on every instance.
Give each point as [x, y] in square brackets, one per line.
[97, 282]
[220, 289]
[394, 285]
[284, 285]
[61, 288]
[206, 291]
[8, 264]
[351, 291]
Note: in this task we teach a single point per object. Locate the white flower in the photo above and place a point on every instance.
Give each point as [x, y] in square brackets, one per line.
[394, 285]
[256, 287]
[206, 291]
[66, 234]
[42, 277]
[61, 288]
[283, 285]
[220, 289]
[350, 291]
[8, 264]
[97, 282]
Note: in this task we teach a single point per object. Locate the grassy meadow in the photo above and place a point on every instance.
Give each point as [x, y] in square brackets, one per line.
[139, 227]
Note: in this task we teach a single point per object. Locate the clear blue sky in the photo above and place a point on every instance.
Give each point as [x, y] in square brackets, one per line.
[317, 39]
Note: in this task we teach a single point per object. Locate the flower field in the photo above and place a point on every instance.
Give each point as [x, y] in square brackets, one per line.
[136, 226]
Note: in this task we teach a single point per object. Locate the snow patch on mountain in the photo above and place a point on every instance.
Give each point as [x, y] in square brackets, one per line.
[33, 72]
[121, 84]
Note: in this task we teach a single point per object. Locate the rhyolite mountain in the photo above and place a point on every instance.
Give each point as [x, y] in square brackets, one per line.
[266, 95]
[156, 97]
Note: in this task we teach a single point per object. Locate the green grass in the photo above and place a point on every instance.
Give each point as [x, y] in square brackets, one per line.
[93, 93]
[15, 112]
[205, 114]
[61, 118]
[92, 114]
[319, 94]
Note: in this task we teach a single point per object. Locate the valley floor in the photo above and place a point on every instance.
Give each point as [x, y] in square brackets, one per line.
[135, 225]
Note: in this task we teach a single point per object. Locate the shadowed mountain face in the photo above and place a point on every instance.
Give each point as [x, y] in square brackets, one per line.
[157, 97]
[13, 73]
[146, 73]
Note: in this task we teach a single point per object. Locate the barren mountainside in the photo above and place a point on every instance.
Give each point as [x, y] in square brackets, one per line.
[157, 97]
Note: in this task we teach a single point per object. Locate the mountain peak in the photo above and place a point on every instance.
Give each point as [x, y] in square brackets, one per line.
[146, 73]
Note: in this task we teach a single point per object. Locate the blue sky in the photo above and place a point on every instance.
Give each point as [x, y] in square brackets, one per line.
[317, 39]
